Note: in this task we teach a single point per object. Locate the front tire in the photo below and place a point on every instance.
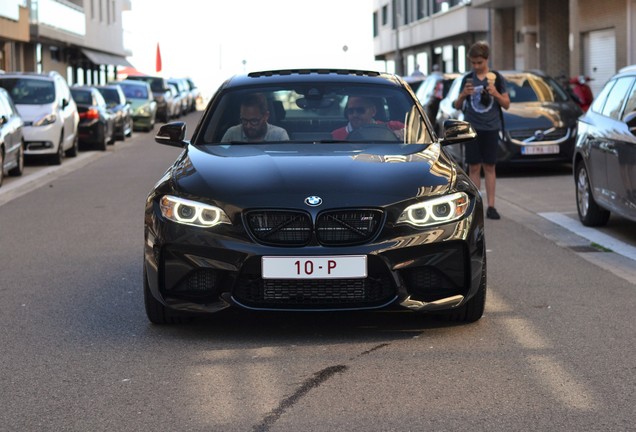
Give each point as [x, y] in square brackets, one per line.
[74, 150]
[19, 168]
[1, 165]
[590, 213]
[102, 144]
[56, 159]
[474, 308]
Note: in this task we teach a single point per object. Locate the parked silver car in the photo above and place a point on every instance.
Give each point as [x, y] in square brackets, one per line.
[11, 138]
[49, 112]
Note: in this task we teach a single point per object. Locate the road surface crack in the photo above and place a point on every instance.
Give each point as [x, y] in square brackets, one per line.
[315, 381]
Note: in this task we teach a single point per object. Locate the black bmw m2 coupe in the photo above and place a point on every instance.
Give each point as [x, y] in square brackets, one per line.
[314, 190]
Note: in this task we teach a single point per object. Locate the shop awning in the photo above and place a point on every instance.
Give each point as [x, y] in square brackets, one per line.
[100, 58]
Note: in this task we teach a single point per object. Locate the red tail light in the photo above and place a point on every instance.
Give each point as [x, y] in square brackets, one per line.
[90, 114]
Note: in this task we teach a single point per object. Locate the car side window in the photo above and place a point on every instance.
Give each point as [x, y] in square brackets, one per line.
[4, 106]
[630, 106]
[599, 101]
[616, 98]
[99, 99]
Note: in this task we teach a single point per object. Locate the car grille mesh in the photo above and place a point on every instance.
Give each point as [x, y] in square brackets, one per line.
[429, 284]
[280, 227]
[523, 134]
[333, 228]
[200, 280]
[314, 293]
[347, 227]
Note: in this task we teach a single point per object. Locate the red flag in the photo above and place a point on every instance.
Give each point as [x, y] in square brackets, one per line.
[158, 58]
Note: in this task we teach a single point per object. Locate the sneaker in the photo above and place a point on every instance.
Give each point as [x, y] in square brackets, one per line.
[492, 213]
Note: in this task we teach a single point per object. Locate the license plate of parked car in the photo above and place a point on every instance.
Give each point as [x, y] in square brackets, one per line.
[540, 150]
[324, 267]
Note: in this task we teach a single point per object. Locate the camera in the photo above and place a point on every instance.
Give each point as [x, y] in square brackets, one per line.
[485, 98]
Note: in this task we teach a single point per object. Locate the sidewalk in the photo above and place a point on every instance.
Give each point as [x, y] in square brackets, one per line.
[547, 206]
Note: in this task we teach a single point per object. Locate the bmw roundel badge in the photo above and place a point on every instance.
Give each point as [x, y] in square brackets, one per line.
[313, 201]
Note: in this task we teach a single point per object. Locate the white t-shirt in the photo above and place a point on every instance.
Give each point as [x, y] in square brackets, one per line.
[236, 134]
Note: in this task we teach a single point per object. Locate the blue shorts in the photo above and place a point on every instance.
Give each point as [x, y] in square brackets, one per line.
[483, 149]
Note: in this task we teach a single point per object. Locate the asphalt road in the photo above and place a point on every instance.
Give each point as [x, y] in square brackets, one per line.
[554, 350]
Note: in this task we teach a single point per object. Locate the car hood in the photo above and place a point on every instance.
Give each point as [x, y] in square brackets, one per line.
[30, 113]
[275, 176]
[541, 115]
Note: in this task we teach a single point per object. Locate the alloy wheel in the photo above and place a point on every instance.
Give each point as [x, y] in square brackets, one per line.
[583, 192]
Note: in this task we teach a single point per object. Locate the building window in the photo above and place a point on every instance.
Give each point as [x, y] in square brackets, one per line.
[385, 15]
[440, 6]
[55, 54]
[38, 58]
[422, 61]
[421, 9]
[461, 58]
[394, 9]
[405, 12]
[375, 24]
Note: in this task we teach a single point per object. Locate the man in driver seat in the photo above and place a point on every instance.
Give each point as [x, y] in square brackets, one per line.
[254, 126]
[361, 111]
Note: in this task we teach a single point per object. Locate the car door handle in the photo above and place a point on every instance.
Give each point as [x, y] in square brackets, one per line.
[609, 148]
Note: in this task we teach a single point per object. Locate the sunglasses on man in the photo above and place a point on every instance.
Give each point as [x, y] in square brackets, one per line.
[355, 110]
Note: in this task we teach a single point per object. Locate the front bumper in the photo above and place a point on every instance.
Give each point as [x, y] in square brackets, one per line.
[523, 147]
[142, 122]
[42, 140]
[198, 270]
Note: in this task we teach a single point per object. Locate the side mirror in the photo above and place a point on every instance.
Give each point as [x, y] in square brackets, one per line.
[458, 131]
[3, 119]
[172, 134]
[630, 120]
[64, 103]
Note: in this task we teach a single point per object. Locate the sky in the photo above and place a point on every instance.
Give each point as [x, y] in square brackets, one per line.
[210, 40]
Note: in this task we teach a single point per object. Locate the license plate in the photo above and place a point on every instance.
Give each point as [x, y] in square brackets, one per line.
[540, 150]
[323, 267]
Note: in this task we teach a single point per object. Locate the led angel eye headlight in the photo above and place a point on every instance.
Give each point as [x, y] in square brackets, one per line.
[193, 213]
[436, 211]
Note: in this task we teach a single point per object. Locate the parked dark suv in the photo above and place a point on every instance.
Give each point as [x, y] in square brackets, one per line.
[605, 153]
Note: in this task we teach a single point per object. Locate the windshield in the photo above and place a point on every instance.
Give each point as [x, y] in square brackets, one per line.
[156, 84]
[133, 91]
[533, 88]
[29, 91]
[314, 113]
[82, 97]
[111, 96]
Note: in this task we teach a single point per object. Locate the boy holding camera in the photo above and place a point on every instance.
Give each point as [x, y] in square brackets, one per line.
[482, 96]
